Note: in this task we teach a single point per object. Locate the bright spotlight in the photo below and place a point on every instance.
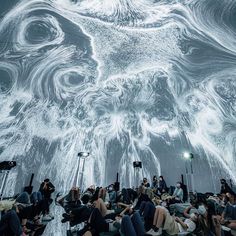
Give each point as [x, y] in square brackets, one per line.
[187, 155]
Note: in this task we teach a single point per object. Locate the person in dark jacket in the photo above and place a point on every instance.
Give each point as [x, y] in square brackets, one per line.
[162, 185]
[155, 183]
[47, 188]
[225, 187]
[145, 183]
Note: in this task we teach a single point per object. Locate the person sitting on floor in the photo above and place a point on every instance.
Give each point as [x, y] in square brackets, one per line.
[132, 225]
[172, 225]
[10, 224]
[177, 196]
[145, 183]
[97, 224]
[162, 185]
[225, 188]
[228, 217]
[71, 200]
[155, 184]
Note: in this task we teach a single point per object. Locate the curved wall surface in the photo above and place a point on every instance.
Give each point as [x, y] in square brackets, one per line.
[125, 80]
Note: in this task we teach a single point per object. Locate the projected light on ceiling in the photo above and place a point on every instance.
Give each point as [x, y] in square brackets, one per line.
[123, 80]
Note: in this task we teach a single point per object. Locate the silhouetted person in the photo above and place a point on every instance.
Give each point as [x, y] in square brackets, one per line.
[154, 182]
[145, 183]
[47, 188]
[225, 187]
[162, 185]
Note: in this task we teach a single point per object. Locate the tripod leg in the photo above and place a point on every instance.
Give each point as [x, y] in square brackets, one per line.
[4, 184]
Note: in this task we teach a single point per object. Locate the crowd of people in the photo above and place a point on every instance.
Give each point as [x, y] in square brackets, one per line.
[25, 213]
[150, 209]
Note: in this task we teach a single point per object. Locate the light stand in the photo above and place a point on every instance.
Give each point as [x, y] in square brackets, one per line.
[81, 155]
[137, 166]
[189, 173]
[5, 168]
[4, 181]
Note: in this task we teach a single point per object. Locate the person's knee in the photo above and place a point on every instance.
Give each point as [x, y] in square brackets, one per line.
[160, 211]
[136, 215]
[232, 226]
[99, 200]
[136, 218]
[126, 220]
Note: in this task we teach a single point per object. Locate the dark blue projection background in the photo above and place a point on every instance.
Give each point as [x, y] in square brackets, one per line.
[125, 80]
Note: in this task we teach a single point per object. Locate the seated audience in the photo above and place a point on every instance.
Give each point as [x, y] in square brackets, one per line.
[137, 213]
[10, 224]
[228, 217]
[162, 185]
[225, 187]
[71, 200]
[172, 225]
[132, 225]
[155, 184]
[145, 183]
[177, 196]
[97, 224]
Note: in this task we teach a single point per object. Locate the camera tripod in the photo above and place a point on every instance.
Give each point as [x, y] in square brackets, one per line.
[4, 181]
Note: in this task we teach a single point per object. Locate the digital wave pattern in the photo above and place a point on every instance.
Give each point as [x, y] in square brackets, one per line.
[125, 80]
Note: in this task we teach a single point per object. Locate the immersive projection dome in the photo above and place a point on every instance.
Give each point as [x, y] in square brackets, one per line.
[124, 80]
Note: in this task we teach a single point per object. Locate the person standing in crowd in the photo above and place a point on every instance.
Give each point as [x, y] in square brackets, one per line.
[47, 188]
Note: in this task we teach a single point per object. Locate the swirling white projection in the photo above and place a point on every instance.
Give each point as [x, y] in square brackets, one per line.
[123, 79]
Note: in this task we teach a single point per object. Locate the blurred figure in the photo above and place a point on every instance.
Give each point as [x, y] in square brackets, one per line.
[172, 225]
[112, 193]
[10, 224]
[162, 185]
[154, 183]
[46, 189]
[145, 183]
[228, 217]
[178, 193]
[177, 196]
[225, 187]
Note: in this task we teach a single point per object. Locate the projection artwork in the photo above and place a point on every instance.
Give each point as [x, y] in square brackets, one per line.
[124, 80]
